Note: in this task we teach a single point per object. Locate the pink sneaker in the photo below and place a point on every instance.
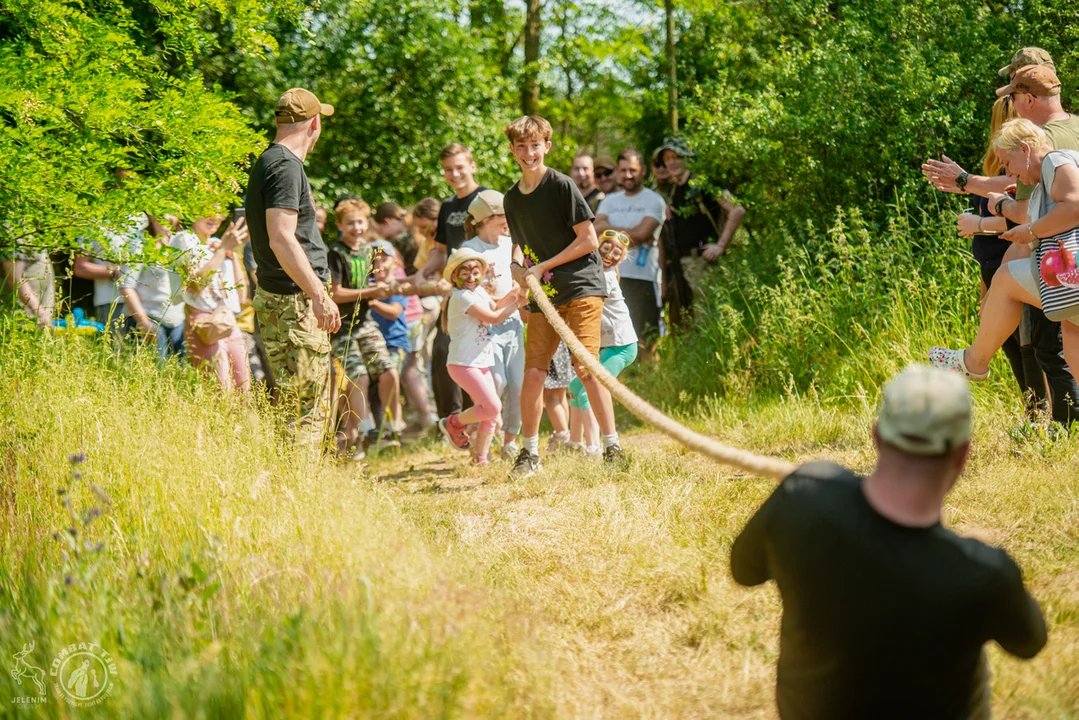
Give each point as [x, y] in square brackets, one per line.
[480, 461]
[455, 432]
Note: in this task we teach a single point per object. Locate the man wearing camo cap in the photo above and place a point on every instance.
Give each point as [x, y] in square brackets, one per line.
[886, 611]
[1024, 57]
[700, 226]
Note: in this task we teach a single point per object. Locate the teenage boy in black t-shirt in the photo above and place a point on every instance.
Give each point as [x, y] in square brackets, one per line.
[885, 611]
[458, 169]
[551, 222]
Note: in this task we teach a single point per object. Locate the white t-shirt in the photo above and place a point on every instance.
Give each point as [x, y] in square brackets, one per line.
[153, 285]
[115, 244]
[221, 285]
[499, 278]
[470, 339]
[616, 327]
[627, 211]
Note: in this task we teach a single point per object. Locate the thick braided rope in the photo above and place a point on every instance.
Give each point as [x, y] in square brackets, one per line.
[756, 464]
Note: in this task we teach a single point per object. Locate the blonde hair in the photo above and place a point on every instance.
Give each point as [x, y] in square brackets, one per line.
[1003, 111]
[1016, 133]
[347, 207]
[527, 127]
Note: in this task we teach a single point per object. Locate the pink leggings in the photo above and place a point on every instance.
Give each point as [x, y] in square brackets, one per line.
[479, 383]
[231, 350]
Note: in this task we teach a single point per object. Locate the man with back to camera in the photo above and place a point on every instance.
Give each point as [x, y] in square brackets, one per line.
[885, 611]
[292, 303]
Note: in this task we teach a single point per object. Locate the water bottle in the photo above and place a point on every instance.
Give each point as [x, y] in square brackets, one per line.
[642, 255]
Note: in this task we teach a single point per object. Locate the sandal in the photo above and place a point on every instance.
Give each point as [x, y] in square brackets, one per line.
[946, 359]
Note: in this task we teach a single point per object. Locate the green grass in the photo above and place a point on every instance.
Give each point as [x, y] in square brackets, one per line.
[234, 578]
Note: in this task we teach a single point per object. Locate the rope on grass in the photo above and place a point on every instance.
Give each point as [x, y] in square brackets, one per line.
[742, 459]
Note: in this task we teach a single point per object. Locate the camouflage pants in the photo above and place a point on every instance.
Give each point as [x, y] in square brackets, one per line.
[298, 353]
[694, 268]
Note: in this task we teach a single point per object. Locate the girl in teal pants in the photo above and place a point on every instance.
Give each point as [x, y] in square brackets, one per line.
[618, 340]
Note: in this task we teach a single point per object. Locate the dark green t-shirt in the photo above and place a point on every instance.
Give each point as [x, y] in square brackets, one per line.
[349, 268]
[1063, 135]
[880, 620]
[278, 180]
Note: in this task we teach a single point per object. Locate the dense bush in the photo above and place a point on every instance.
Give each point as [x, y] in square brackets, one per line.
[838, 309]
[86, 88]
[804, 107]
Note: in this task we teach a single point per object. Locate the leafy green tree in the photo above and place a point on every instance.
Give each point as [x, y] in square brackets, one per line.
[406, 79]
[86, 88]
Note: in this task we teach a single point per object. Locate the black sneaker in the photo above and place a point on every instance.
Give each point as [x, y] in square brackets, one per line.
[616, 457]
[526, 465]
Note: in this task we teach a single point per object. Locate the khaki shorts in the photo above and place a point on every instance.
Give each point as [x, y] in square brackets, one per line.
[362, 351]
[583, 316]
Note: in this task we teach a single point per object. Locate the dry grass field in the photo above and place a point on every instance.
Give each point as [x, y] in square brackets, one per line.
[229, 578]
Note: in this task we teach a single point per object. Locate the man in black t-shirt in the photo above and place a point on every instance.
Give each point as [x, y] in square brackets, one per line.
[699, 229]
[292, 304]
[552, 224]
[458, 169]
[885, 611]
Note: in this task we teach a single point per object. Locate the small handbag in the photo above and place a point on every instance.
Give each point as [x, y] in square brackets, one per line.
[246, 319]
[218, 325]
[1059, 302]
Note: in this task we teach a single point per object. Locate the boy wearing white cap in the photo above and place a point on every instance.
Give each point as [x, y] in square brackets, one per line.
[885, 611]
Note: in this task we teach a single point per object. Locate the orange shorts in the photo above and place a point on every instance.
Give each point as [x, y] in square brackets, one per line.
[583, 316]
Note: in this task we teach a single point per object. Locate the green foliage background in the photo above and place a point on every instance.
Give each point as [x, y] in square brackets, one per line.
[816, 115]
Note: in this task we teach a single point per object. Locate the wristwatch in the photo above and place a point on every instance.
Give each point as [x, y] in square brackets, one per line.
[999, 205]
[961, 180]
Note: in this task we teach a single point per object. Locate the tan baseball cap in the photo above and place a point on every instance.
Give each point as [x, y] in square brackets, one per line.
[297, 105]
[925, 411]
[486, 204]
[1037, 80]
[1026, 56]
[604, 162]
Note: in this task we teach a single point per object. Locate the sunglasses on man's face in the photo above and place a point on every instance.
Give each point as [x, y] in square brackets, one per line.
[603, 173]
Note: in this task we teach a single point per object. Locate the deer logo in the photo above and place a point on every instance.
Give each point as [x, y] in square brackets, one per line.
[24, 669]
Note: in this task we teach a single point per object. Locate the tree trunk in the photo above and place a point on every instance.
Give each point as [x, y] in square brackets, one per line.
[672, 76]
[566, 124]
[530, 77]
